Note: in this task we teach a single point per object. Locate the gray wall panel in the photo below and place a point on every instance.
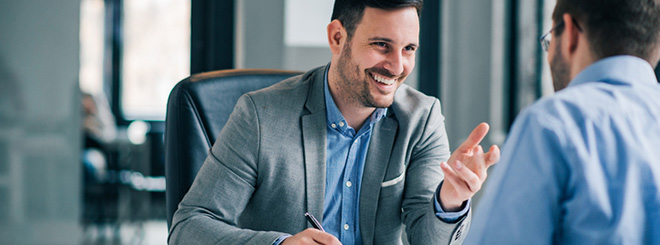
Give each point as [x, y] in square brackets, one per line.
[40, 181]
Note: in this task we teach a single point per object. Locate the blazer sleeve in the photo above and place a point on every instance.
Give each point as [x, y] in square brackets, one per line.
[209, 212]
[423, 176]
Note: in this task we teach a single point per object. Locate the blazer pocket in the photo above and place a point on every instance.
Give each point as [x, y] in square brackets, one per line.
[393, 188]
[394, 181]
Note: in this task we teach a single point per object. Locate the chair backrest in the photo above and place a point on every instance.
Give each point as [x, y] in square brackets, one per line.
[197, 109]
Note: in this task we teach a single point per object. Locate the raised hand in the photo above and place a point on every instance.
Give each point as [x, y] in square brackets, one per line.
[466, 169]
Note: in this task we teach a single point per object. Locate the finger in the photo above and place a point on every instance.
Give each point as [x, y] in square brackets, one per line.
[475, 137]
[477, 160]
[323, 237]
[493, 156]
[450, 176]
[478, 163]
[468, 160]
[452, 179]
[465, 174]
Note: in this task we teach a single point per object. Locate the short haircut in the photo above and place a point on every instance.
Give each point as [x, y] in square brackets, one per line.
[350, 12]
[616, 27]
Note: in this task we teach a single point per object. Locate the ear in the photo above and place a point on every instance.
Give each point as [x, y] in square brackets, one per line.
[336, 36]
[571, 35]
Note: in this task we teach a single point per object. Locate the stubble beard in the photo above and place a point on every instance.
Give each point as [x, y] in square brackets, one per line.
[356, 89]
[559, 70]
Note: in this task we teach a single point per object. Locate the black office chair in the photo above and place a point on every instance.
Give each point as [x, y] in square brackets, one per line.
[197, 109]
[657, 72]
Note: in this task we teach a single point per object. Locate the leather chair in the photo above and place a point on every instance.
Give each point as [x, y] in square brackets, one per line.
[197, 109]
[657, 72]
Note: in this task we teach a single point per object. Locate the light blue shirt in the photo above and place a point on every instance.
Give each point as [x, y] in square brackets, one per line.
[581, 166]
[346, 153]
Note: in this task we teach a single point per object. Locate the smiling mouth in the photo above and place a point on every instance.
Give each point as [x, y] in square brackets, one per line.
[383, 80]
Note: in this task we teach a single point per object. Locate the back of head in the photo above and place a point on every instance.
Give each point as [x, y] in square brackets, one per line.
[349, 12]
[617, 27]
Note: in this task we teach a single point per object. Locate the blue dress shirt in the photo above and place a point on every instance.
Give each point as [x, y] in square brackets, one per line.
[582, 166]
[346, 153]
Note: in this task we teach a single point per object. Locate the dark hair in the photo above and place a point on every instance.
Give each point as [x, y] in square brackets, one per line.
[350, 12]
[616, 27]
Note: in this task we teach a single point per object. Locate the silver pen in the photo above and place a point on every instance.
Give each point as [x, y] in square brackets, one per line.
[315, 223]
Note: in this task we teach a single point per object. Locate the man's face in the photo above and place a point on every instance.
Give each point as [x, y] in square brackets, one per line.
[379, 56]
[558, 66]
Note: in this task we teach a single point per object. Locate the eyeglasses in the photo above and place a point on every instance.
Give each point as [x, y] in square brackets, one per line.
[545, 39]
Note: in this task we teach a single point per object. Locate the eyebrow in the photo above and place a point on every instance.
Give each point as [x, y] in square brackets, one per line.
[384, 39]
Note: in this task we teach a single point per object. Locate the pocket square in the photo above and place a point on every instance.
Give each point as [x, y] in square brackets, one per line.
[394, 181]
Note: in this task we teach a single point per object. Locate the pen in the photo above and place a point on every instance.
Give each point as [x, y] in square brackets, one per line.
[315, 223]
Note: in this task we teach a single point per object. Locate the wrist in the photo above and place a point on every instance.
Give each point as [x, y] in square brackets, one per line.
[449, 200]
[280, 240]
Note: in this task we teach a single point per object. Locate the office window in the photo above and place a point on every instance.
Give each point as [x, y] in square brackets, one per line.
[155, 55]
[91, 46]
[546, 78]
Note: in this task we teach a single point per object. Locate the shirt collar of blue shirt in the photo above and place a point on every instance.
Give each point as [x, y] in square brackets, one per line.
[617, 69]
[335, 117]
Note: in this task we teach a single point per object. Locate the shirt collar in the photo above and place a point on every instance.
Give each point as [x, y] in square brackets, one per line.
[334, 115]
[617, 69]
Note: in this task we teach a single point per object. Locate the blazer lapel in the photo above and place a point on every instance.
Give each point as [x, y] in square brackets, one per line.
[314, 144]
[378, 156]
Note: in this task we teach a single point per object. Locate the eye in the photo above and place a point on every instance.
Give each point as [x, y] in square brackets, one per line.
[380, 44]
[410, 48]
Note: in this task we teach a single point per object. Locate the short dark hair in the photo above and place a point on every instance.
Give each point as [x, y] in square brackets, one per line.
[350, 12]
[616, 27]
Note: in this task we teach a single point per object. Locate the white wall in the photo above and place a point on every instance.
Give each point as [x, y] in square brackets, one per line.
[261, 34]
[40, 137]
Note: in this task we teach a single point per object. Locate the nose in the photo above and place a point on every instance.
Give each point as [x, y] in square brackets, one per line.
[395, 63]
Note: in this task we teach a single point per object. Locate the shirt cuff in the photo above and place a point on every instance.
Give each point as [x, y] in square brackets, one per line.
[449, 217]
[281, 239]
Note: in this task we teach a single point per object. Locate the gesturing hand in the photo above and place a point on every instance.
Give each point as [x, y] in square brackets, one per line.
[465, 171]
[312, 236]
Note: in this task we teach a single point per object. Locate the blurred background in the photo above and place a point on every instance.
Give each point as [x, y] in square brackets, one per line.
[84, 84]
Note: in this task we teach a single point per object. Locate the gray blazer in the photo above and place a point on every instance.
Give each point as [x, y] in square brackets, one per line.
[267, 168]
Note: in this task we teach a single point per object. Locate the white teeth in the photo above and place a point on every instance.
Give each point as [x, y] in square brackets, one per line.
[383, 80]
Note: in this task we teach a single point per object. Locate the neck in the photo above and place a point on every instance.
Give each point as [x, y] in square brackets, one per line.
[355, 117]
[583, 58]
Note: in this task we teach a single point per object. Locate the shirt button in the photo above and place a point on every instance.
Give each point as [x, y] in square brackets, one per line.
[349, 184]
[345, 226]
[333, 125]
[341, 124]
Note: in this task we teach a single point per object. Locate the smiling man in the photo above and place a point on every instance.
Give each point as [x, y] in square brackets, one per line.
[347, 142]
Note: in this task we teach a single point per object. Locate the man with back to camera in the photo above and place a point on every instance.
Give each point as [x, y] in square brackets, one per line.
[583, 166]
[346, 142]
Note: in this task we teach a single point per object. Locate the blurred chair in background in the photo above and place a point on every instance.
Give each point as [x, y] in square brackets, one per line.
[198, 108]
[100, 191]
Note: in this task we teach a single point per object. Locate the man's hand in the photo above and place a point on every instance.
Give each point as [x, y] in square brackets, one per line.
[311, 236]
[465, 171]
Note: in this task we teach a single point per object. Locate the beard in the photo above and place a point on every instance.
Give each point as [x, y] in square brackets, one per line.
[354, 82]
[559, 69]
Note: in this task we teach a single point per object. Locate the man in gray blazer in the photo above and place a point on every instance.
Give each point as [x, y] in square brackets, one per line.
[347, 143]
